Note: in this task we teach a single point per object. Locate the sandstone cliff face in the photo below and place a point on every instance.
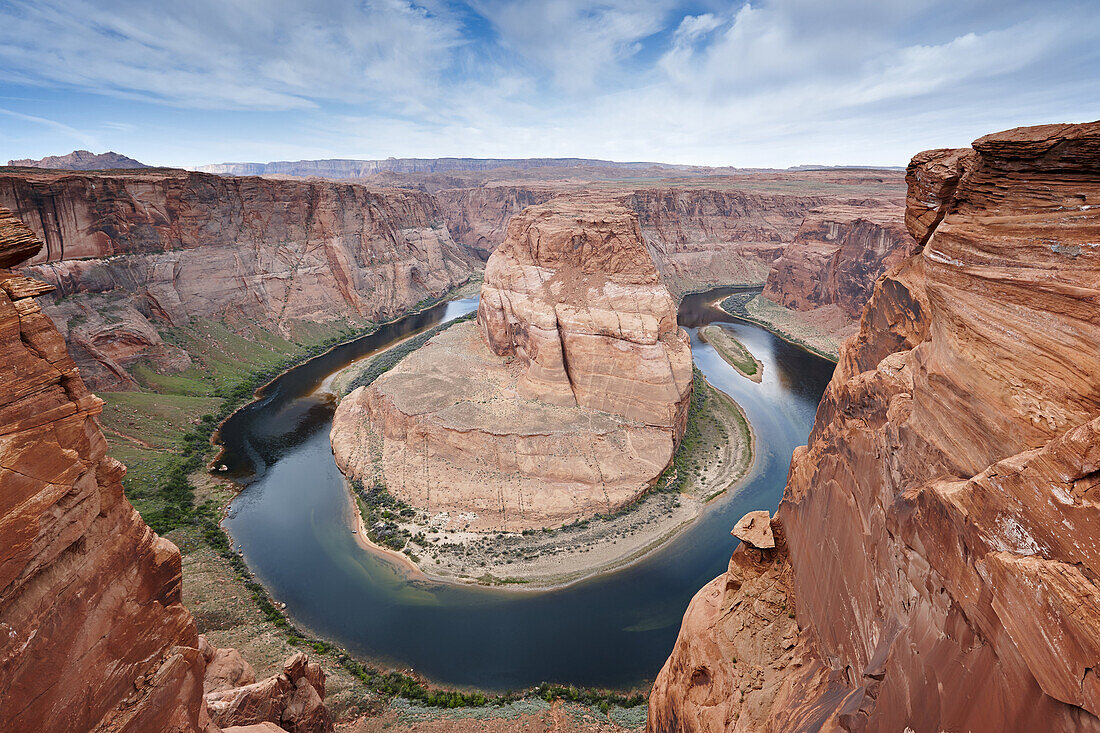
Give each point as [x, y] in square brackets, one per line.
[566, 399]
[942, 523]
[702, 237]
[94, 631]
[478, 217]
[94, 634]
[575, 297]
[705, 238]
[160, 247]
[835, 259]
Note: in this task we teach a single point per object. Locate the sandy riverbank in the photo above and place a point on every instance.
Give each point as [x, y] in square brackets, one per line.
[820, 331]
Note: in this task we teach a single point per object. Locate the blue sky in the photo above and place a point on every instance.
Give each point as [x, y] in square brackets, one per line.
[771, 83]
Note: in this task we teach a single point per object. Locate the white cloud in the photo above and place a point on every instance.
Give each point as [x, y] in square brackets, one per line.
[70, 134]
[775, 82]
[246, 54]
[577, 43]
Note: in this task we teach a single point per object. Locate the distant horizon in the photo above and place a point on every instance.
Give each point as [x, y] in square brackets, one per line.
[11, 160]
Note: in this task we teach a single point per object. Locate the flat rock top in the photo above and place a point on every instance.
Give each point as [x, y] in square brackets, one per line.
[755, 528]
[464, 386]
[581, 237]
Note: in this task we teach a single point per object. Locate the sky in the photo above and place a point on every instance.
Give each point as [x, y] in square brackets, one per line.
[771, 83]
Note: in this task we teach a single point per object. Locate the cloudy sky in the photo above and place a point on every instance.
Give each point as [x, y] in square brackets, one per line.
[766, 83]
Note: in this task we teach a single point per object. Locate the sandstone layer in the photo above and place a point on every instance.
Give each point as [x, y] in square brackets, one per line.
[131, 253]
[942, 523]
[574, 296]
[836, 257]
[94, 634]
[704, 235]
[566, 399]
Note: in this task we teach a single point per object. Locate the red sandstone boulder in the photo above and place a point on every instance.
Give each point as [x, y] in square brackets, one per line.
[755, 529]
[292, 699]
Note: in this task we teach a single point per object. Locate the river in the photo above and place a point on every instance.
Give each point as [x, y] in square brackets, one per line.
[613, 631]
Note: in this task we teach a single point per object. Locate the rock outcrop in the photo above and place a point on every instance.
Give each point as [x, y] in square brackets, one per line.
[132, 253]
[95, 636]
[575, 298]
[942, 523]
[293, 699]
[566, 399]
[94, 632]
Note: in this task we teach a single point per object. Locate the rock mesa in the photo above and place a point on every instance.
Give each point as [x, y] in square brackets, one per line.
[566, 399]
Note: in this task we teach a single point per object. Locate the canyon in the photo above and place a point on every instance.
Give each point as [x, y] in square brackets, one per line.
[132, 254]
[305, 258]
[137, 267]
[95, 634]
[935, 561]
[567, 399]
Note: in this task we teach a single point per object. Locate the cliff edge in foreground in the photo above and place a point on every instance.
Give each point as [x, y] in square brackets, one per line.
[941, 527]
[93, 635]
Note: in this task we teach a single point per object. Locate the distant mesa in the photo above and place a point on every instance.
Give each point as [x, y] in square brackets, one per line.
[81, 160]
[566, 399]
[352, 168]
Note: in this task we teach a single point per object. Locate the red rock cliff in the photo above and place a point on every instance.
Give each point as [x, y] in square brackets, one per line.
[723, 232]
[180, 245]
[941, 526]
[93, 635]
[836, 257]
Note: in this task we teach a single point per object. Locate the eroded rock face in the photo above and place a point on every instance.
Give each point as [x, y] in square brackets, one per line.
[835, 259]
[705, 238]
[566, 399]
[573, 295]
[94, 631]
[147, 249]
[478, 217]
[95, 636]
[942, 523]
[704, 235]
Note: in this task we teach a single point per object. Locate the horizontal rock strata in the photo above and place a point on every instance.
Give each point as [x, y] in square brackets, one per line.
[149, 249]
[95, 636]
[448, 430]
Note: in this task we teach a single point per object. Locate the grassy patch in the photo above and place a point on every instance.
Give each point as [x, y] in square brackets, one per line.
[731, 349]
[705, 436]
